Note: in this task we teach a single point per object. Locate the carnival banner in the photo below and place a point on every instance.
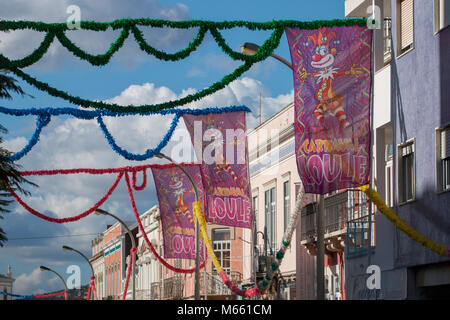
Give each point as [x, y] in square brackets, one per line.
[220, 146]
[332, 81]
[175, 196]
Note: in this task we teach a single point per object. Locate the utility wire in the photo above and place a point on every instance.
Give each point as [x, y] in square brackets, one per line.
[50, 237]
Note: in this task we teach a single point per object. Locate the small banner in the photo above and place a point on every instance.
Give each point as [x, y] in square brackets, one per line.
[332, 81]
[176, 195]
[220, 145]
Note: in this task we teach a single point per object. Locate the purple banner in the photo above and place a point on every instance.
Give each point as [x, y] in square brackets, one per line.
[220, 145]
[332, 82]
[176, 195]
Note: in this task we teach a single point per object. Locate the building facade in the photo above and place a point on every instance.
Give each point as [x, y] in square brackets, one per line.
[6, 283]
[147, 266]
[275, 181]
[97, 261]
[410, 150]
[116, 251]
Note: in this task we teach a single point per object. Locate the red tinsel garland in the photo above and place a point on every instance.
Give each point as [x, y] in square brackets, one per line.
[48, 295]
[132, 250]
[121, 171]
[70, 219]
[147, 241]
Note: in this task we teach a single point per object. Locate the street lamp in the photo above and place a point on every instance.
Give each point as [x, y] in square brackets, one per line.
[67, 248]
[43, 268]
[133, 244]
[249, 48]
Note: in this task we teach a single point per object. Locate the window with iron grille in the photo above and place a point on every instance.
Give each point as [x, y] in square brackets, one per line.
[406, 181]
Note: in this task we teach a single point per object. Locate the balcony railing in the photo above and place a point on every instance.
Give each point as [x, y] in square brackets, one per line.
[340, 208]
[144, 294]
[173, 288]
[156, 291]
[215, 285]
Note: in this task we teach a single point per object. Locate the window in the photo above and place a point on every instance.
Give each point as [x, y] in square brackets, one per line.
[337, 288]
[286, 203]
[255, 210]
[222, 249]
[443, 162]
[441, 14]
[270, 218]
[389, 181]
[406, 172]
[405, 25]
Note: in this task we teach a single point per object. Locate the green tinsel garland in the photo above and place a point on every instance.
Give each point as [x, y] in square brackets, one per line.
[58, 30]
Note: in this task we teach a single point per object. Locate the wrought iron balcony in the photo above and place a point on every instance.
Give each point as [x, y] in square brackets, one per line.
[340, 208]
[156, 291]
[215, 285]
[144, 294]
[173, 288]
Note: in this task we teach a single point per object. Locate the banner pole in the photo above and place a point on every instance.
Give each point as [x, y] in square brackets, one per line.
[320, 251]
[197, 227]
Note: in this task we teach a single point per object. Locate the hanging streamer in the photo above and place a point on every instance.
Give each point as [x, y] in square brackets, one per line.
[263, 285]
[441, 249]
[132, 250]
[57, 31]
[147, 241]
[44, 117]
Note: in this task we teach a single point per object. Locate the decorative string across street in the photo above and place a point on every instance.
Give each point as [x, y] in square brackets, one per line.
[44, 117]
[131, 26]
[57, 30]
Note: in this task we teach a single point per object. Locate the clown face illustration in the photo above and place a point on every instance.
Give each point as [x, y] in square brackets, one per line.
[328, 102]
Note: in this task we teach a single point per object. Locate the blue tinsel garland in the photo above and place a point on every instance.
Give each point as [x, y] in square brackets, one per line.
[44, 117]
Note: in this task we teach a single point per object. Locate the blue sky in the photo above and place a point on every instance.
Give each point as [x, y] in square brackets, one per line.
[131, 77]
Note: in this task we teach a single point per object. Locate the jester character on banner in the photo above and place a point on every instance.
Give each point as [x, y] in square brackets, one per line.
[332, 82]
[175, 196]
[220, 145]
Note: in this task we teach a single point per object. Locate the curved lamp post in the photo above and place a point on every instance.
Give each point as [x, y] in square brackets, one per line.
[43, 268]
[67, 248]
[133, 244]
[249, 49]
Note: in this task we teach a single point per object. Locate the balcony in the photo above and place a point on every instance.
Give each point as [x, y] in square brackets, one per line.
[173, 288]
[215, 285]
[155, 291]
[144, 294]
[341, 209]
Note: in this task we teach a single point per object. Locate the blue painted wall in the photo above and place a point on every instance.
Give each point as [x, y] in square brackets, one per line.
[420, 110]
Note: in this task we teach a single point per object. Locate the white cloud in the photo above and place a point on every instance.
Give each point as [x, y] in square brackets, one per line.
[74, 143]
[17, 44]
[33, 283]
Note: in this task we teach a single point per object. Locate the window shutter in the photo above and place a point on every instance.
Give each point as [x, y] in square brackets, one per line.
[406, 23]
[445, 143]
